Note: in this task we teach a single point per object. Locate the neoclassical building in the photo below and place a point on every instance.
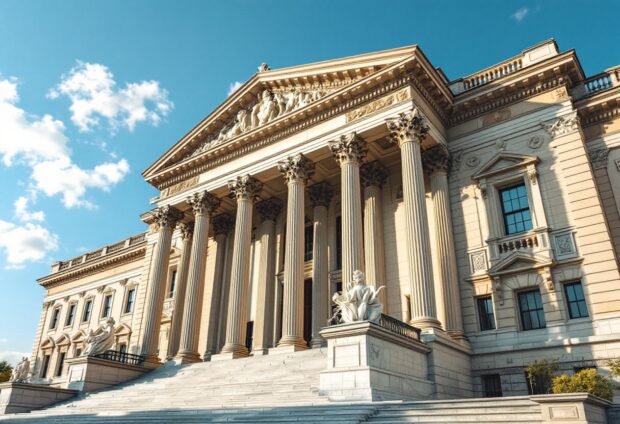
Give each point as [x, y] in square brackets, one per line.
[488, 206]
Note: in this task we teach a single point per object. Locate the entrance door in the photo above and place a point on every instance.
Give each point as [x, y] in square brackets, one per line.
[308, 310]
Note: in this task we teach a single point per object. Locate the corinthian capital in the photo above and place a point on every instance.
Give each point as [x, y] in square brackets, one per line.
[409, 126]
[269, 209]
[437, 158]
[245, 187]
[373, 174]
[222, 224]
[350, 148]
[187, 230]
[203, 202]
[320, 194]
[166, 216]
[296, 168]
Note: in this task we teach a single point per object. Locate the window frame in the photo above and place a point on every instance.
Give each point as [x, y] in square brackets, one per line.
[89, 300]
[45, 365]
[521, 312]
[106, 295]
[484, 379]
[55, 318]
[173, 274]
[500, 192]
[60, 363]
[568, 302]
[492, 321]
[130, 290]
[69, 315]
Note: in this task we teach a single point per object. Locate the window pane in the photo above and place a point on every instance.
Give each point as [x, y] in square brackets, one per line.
[576, 301]
[531, 310]
[515, 208]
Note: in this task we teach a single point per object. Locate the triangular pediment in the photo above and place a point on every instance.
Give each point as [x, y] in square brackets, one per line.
[518, 262]
[502, 162]
[122, 330]
[79, 336]
[275, 99]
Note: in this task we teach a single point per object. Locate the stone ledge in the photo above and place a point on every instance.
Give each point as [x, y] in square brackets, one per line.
[87, 373]
[24, 397]
[576, 408]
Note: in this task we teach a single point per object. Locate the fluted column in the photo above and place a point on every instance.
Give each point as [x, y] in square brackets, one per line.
[222, 224]
[263, 324]
[296, 171]
[320, 195]
[203, 205]
[350, 151]
[436, 162]
[225, 294]
[165, 218]
[187, 231]
[408, 131]
[373, 176]
[245, 189]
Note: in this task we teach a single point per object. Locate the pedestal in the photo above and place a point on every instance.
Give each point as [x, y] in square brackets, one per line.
[88, 373]
[24, 397]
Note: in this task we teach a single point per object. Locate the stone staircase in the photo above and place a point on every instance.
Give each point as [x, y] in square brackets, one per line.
[280, 388]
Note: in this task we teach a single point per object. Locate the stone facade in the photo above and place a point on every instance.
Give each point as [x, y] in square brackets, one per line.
[407, 176]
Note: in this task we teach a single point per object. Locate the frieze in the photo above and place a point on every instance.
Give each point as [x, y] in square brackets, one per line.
[598, 157]
[562, 125]
[399, 96]
[179, 187]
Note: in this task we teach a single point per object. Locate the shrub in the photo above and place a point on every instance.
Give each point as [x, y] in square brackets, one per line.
[588, 381]
[614, 366]
[540, 375]
[5, 371]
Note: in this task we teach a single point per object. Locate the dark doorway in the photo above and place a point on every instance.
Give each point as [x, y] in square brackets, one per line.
[249, 335]
[308, 310]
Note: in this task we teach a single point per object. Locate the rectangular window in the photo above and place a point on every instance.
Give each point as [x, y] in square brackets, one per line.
[122, 348]
[173, 283]
[531, 309]
[45, 366]
[107, 306]
[308, 242]
[131, 297]
[485, 313]
[338, 242]
[61, 363]
[88, 309]
[576, 300]
[491, 385]
[71, 314]
[55, 316]
[516, 209]
[78, 352]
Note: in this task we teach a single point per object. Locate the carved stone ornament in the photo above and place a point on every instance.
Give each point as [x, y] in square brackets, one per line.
[373, 174]
[457, 160]
[223, 224]
[359, 303]
[187, 230]
[268, 106]
[497, 289]
[320, 194]
[167, 216]
[435, 159]
[409, 126]
[203, 202]
[472, 161]
[100, 340]
[269, 209]
[21, 371]
[349, 148]
[548, 279]
[598, 157]
[296, 168]
[562, 125]
[263, 67]
[379, 104]
[478, 261]
[535, 142]
[179, 187]
[245, 187]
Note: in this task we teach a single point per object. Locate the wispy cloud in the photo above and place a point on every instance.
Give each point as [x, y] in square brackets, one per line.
[94, 94]
[520, 14]
[234, 86]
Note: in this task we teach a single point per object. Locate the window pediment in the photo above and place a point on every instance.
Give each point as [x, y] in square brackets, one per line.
[520, 262]
[504, 162]
[122, 330]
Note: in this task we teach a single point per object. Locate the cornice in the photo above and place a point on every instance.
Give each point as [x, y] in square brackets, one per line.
[79, 271]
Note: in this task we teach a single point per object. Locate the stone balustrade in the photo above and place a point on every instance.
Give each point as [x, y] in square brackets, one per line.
[508, 67]
[598, 83]
[534, 241]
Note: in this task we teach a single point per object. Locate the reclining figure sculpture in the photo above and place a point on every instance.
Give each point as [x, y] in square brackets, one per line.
[359, 303]
[102, 339]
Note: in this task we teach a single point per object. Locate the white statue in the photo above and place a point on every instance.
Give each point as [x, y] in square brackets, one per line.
[360, 302]
[264, 111]
[21, 371]
[100, 340]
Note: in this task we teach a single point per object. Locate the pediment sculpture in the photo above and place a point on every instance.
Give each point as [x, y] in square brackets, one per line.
[359, 303]
[268, 106]
[100, 340]
[21, 371]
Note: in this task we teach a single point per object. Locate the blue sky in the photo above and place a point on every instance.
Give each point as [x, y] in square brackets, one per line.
[93, 92]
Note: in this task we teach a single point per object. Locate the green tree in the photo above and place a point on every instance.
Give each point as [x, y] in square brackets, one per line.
[5, 371]
[540, 375]
[614, 366]
[588, 381]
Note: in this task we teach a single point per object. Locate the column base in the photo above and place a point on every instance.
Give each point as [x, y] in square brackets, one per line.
[426, 322]
[260, 351]
[457, 334]
[296, 342]
[231, 351]
[317, 343]
[224, 356]
[187, 358]
[152, 361]
[286, 349]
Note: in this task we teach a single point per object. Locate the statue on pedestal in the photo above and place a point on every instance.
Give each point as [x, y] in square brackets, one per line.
[102, 339]
[21, 371]
[360, 302]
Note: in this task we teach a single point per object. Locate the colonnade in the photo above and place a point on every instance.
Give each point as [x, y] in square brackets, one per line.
[362, 248]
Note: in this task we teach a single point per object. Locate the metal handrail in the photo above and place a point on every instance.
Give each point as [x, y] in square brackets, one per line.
[122, 357]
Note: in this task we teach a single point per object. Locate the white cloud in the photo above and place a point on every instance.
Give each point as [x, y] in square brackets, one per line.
[23, 214]
[94, 95]
[520, 14]
[234, 86]
[13, 357]
[29, 242]
[42, 145]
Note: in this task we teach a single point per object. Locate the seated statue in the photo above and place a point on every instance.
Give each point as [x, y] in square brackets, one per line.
[102, 339]
[360, 302]
[21, 371]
